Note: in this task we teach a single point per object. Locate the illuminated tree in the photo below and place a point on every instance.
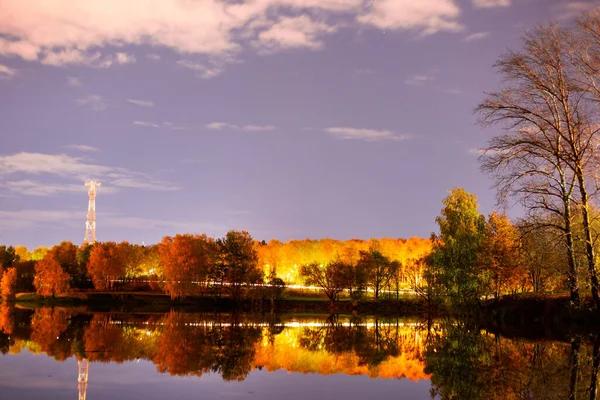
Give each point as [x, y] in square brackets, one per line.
[106, 264]
[22, 253]
[39, 253]
[8, 284]
[453, 261]
[238, 262]
[186, 260]
[66, 253]
[501, 259]
[379, 270]
[50, 279]
[548, 156]
[332, 278]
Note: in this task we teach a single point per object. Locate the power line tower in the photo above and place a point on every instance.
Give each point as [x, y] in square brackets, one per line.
[82, 377]
[90, 224]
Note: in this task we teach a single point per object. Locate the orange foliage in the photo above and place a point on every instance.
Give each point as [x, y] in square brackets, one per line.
[107, 263]
[50, 279]
[8, 284]
[185, 260]
[288, 257]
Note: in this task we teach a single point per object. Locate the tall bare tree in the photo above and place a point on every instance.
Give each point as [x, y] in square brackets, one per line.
[541, 158]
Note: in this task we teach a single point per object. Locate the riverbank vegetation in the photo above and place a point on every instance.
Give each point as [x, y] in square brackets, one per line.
[546, 158]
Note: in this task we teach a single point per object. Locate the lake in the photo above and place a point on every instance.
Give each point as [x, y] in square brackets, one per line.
[73, 353]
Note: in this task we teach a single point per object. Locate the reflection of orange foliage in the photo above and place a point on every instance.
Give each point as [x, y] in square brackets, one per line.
[103, 341]
[288, 257]
[286, 353]
[47, 325]
[6, 318]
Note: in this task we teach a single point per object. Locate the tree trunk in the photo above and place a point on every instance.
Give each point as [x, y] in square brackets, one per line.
[589, 247]
[573, 283]
[595, 367]
[574, 366]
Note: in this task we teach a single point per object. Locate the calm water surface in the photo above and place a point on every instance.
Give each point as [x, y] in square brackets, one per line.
[46, 353]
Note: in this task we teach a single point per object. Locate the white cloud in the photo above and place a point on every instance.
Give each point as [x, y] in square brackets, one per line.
[574, 9]
[257, 128]
[73, 81]
[82, 147]
[75, 168]
[141, 103]
[60, 32]
[293, 32]
[248, 128]
[37, 188]
[476, 36]
[124, 58]
[7, 72]
[27, 219]
[94, 102]
[202, 71]
[491, 3]
[418, 80]
[146, 123]
[425, 16]
[370, 135]
[219, 125]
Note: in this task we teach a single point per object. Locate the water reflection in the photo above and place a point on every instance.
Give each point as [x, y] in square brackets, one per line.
[460, 360]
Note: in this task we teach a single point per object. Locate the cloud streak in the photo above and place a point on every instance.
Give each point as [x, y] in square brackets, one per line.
[141, 103]
[83, 147]
[246, 128]
[70, 168]
[369, 135]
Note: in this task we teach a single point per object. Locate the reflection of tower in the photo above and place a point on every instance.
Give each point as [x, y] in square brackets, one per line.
[90, 223]
[82, 377]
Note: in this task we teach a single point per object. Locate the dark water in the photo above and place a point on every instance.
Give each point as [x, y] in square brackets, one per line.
[46, 352]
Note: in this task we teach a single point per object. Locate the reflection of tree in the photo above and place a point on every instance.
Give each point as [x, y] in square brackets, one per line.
[6, 326]
[48, 327]
[465, 363]
[190, 348]
[372, 346]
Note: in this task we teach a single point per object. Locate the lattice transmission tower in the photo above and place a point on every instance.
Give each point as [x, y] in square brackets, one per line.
[90, 223]
[83, 367]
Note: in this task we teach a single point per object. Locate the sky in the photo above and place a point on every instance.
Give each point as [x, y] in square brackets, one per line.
[286, 118]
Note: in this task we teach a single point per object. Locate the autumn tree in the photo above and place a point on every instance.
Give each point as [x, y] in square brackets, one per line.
[379, 270]
[501, 258]
[238, 262]
[50, 279]
[332, 278]
[66, 253]
[8, 284]
[8, 256]
[39, 253]
[548, 155]
[106, 264]
[453, 260]
[186, 260]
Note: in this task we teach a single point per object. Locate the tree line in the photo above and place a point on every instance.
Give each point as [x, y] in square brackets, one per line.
[197, 265]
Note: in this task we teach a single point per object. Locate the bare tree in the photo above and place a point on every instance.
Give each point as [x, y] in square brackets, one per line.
[541, 157]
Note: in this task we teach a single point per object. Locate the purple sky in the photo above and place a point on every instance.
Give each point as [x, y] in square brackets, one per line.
[286, 118]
